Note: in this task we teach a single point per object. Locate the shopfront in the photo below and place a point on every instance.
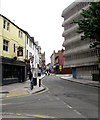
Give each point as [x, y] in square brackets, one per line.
[12, 71]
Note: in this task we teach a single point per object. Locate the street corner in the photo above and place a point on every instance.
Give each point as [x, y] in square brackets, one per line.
[17, 93]
[37, 90]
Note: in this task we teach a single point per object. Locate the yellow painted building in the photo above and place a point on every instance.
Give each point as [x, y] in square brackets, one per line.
[11, 38]
[12, 52]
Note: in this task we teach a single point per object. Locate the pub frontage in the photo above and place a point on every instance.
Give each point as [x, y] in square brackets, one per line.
[12, 71]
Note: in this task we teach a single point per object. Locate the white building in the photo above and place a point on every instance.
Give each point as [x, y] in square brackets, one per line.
[32, 53]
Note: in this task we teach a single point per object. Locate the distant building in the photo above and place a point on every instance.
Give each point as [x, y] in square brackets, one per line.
[57, 61]
[61, 61]
[43, 61]
[78, 55]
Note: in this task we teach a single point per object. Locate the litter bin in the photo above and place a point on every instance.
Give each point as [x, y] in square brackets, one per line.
[35, 81]
[39, 74]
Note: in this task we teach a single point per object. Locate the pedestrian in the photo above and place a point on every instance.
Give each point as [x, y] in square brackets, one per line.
[30, 75]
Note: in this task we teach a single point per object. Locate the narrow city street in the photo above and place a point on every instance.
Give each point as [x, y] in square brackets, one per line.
[61, 99]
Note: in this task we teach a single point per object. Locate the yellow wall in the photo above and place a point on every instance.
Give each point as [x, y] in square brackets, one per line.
[12, 37]
[1, 42]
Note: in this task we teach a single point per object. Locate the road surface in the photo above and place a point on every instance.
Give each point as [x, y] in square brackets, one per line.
[61, 99]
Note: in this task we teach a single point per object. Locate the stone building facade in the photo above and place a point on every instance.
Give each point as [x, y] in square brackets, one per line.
[78, 54]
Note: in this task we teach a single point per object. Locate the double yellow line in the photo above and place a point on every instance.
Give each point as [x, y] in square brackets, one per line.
[6, 115]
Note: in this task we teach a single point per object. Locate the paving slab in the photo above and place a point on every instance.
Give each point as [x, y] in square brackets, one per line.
[18, 89]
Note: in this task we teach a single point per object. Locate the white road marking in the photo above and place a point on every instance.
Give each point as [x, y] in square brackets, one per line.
[77, 112]
[69, 106]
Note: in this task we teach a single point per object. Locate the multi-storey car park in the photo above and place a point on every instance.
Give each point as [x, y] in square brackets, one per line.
[79, 56]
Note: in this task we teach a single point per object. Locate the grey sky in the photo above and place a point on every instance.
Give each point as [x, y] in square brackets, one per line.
[40, 18]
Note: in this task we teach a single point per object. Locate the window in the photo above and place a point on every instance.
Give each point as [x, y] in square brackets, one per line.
[14, 48]
[20, 34]
[8, 26]
[27, 53]
[33, 46]
[30, 43]
[27, 39]
[4, 24]
[5, 45]
[30, 54]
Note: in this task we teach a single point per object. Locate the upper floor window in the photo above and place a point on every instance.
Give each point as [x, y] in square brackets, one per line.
[33, 46]
[14, 48]
[5, 45]
[27, 39]
[6, 25]
[30, 43]
[30, 54]
[20, 34]
[27, 54]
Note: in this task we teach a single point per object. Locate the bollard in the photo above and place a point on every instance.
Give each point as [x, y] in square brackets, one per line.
[39, 82]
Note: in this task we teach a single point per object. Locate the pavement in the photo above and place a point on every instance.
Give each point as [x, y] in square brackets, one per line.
[70, 78]
[21, 89]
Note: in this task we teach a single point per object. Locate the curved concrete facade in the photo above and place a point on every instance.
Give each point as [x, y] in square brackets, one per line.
[79, 56]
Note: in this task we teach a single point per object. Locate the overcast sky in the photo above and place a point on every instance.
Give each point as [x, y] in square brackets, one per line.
[40, 18]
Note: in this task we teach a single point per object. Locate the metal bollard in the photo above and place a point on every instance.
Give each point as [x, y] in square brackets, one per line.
[39, 82]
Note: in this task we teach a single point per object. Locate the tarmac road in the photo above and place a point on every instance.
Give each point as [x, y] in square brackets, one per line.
[61, 99]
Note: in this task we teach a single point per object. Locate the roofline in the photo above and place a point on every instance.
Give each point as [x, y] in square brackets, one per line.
[12, 23]
[18, 27]
[67, 9]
